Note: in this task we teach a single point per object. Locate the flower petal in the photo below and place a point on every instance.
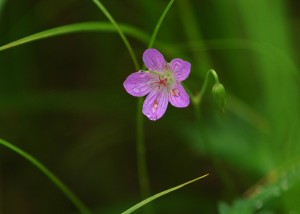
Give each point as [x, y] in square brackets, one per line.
[180, 68]
[138, 84]
[178, 96]
[154, 60]
[156, 103]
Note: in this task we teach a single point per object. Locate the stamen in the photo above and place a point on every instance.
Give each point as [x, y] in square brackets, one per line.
[155, 106]
[175, 92]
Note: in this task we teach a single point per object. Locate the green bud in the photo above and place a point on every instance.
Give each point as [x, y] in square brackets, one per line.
[219, 95]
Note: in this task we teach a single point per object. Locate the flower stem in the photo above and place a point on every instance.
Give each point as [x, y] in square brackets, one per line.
[141, 153]
[57, 182]
[204, 87]
[157, 27]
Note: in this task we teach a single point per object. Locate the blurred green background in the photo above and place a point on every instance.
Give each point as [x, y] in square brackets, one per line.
[62, 100]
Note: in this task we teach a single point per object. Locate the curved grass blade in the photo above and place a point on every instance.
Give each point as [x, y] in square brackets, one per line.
[79, 27]
[123, 37]
[148, 200]
[162, 17]
[57, 182]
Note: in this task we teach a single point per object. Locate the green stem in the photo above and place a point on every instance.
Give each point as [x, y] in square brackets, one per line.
[123, 37]
[141, 153]
[204, 87]
[157, 27]
[57, 182]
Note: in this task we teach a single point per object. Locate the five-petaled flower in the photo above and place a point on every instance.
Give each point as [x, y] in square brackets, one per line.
[162, 84]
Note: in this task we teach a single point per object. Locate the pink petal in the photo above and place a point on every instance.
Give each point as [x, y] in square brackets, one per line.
[138, 84]
[154, 60]
[178, 96]
[156, 103]
[180, 68]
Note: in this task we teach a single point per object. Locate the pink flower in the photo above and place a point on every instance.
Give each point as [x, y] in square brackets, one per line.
[162, 84]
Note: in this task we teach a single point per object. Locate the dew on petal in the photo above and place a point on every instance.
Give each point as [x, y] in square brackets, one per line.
[137, 90]
[154, 117]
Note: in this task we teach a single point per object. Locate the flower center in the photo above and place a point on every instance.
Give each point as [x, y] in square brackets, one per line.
[165, 79]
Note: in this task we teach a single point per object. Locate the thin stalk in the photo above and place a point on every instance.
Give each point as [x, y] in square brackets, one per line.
[123, 37]
[157, 27]
[205, 84]
[160, 194]
[56, 181]
[141, 153]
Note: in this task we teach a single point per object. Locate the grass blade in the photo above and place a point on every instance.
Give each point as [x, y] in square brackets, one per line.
[79, 27]
[162, 17]
[123, 37]
[150, 199]
[57, 182]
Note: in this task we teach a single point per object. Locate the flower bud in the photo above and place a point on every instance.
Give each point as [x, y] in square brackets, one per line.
[219, 95]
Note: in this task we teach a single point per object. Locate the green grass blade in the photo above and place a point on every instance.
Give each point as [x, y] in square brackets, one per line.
[123, 37]
[150, 199]
[57, 182]
[162, 17]
[79, 27]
